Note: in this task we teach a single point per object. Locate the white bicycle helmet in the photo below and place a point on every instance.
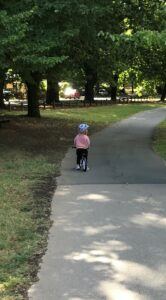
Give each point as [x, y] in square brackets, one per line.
[83, 127]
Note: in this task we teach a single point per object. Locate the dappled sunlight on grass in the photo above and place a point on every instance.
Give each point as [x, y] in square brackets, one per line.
[101, 115]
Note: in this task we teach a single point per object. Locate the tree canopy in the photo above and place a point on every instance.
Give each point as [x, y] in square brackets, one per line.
[95, 39]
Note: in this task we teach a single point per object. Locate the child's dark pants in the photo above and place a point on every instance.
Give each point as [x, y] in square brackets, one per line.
[80, 152]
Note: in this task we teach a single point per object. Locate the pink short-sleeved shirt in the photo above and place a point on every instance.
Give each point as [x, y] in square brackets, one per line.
[82, 141]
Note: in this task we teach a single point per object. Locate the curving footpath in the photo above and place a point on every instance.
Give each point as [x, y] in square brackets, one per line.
[108, 238]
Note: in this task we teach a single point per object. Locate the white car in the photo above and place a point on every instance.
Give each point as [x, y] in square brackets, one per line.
[103, 92]
[7, 94]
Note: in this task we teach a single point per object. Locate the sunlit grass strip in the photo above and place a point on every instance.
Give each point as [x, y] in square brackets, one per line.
[160, 140]
[101, 115]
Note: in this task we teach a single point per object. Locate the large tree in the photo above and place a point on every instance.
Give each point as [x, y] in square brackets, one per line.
[99, 21]
[152, 57]
[144, 47]
[43, 48]
[95, 17]
[93, 37]
[141, 44]
[12, 31]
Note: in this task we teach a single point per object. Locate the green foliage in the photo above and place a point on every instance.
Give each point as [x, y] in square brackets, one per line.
[12, 32]
[141, 45]
[49, 32]
[141, 86]
[67, 37]
[146, 88]
[151, 53]
[160, 140]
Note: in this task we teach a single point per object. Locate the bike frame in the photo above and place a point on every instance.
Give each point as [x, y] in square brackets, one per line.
[83, 162]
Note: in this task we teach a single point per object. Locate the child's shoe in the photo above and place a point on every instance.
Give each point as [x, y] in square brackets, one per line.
[77, 167]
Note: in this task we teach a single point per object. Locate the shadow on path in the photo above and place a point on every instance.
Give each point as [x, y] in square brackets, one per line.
[107, 241]
[121, 153]
[105, 246]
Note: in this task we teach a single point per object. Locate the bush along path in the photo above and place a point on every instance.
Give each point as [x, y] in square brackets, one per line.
[160, 140]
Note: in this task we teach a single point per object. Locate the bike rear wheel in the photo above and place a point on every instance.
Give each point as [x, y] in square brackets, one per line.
[84, 164]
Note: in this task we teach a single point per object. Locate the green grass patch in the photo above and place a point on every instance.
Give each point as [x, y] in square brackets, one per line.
[102, 115]
[160, 140]
[31, 151]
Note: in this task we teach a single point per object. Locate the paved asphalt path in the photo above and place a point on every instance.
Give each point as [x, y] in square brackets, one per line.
[108, 238]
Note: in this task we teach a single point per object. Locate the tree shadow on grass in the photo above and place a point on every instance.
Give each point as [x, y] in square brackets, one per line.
[36, 136]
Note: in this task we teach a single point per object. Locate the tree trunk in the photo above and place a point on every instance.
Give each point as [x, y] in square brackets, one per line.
[52, 91]
[113, 93]
[89, 91]
[163, 93]
[91, 79]
[132, 86]
[113, 88]
[97, 88]
[2, 83]
[33, 96]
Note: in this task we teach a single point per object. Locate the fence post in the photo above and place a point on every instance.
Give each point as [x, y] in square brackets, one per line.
[9, 106]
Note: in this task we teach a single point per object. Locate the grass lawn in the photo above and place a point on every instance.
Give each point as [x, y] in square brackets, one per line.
[160, 140]
[31, 151]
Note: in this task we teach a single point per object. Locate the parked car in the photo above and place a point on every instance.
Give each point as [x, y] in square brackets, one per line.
[103, 92]
[7, 94]
[71, 93]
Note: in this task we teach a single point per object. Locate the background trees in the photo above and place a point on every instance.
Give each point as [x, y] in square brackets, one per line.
[97, 40]
[12, 30]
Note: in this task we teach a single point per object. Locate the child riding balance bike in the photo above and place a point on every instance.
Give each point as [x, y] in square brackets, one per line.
[82, 144]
